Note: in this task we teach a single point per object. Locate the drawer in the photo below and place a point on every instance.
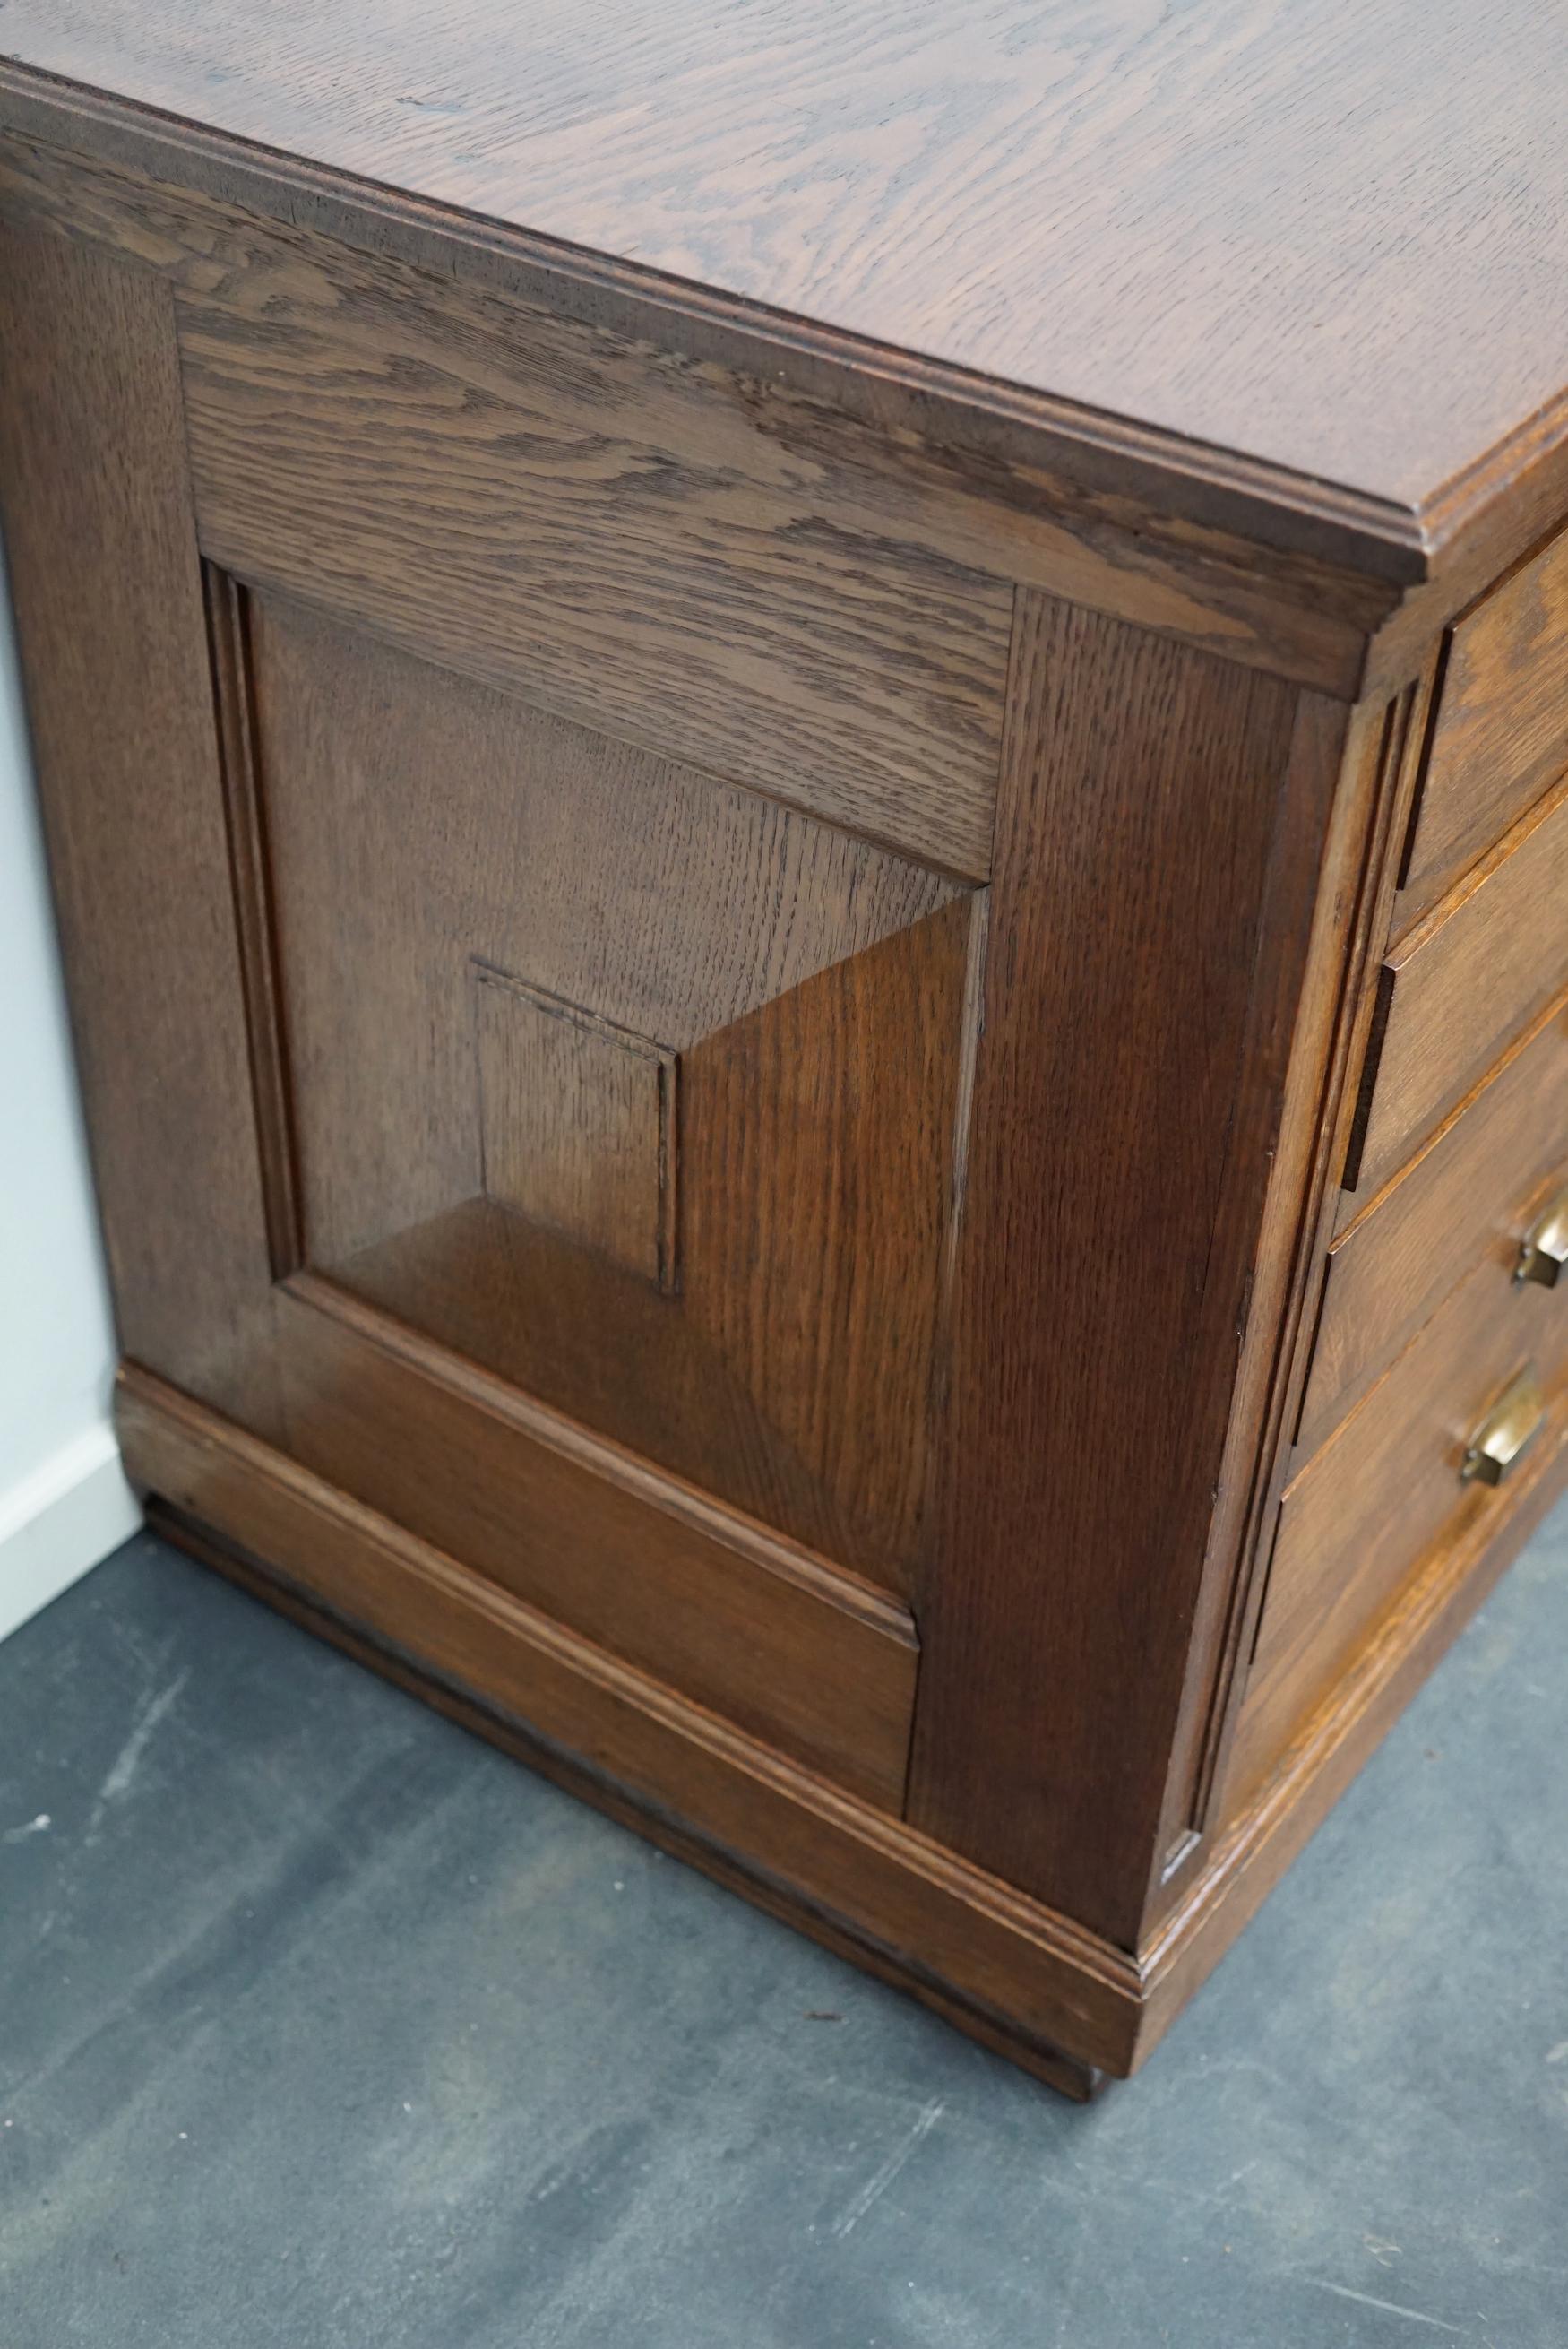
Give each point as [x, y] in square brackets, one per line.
[1385, 1491]
[1458, 989]
[1466, 1200]
[1502, 729]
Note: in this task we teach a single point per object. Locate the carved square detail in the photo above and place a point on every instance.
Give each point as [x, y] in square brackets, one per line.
[577, 1120]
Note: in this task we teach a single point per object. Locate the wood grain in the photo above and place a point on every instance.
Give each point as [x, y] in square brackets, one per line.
[944, 1922]
[645, 893]
[101, 545]
[1458, 989]
[1138, 812]
[1299, 1041]
[578, 1124]
[926, 474]
[530, 533]
[1466, 1200]
[658, 1231]
[1370, 798]
[1263, 230]
[814, 988]
[797, 1655]
[1501, 730]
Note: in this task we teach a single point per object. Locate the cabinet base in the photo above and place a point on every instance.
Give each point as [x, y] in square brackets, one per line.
[1011, 1974]
[1058, 2070]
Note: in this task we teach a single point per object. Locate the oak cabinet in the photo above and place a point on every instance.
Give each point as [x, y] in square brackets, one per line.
[826, 1074]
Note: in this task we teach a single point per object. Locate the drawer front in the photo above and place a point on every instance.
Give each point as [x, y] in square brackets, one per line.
[1459, 987]
[1466, 1200]
[1501, 731]
[1378, 1499]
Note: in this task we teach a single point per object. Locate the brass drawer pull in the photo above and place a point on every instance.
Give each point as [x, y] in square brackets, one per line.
[1506, 1432]
[1543, 1251]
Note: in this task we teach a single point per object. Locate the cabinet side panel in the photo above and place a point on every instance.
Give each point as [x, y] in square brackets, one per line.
[1119, 1162]
[101, 543]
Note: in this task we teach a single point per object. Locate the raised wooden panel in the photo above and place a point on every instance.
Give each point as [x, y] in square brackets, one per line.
[1459, 987]
[562, 513]
[635, 933]
[577, 1123]
[1501, 730]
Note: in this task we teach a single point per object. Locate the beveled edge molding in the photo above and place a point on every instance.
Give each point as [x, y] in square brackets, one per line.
[772, 1552]
[1456, 525]
[1005, 1964]
[951, 484]
[1331, 586]
[1080, 2081]
[1295, 510]
[1022, 1979]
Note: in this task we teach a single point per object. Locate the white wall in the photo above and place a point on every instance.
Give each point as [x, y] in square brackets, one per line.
[63, 1501]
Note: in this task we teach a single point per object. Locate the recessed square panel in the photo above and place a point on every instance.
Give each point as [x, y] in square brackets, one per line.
[576, 1121]
[528, 979]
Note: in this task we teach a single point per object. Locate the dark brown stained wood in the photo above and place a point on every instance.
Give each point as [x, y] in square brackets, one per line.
[735, 938]
[101, 547]
[825, 444]
[1299, 1028]
[792, 1374]
[1360, 1516]
[1140, 803]
[1501, 731]
[945, 1921]
[1263, 230]
[527, 541]
[812, 992]
[772, 1638]
[1459, 987]
[537, 509]
[1405, 723]
[386, 890]
[577, 1122]
[1467, 1199]
[1356, 886]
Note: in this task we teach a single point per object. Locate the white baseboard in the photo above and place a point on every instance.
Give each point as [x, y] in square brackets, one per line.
[61, 1520]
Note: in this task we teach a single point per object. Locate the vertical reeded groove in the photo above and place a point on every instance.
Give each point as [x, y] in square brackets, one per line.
[235, 710]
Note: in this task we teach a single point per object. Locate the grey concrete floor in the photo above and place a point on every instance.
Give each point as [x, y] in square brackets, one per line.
[323, 2024]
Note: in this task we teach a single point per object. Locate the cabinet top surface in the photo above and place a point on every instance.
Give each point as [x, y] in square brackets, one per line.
[1328, 240]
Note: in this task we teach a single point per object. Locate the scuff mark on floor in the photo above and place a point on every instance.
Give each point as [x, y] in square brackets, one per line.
[122, 1770]
[1390, 2307]
[876, 2186]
